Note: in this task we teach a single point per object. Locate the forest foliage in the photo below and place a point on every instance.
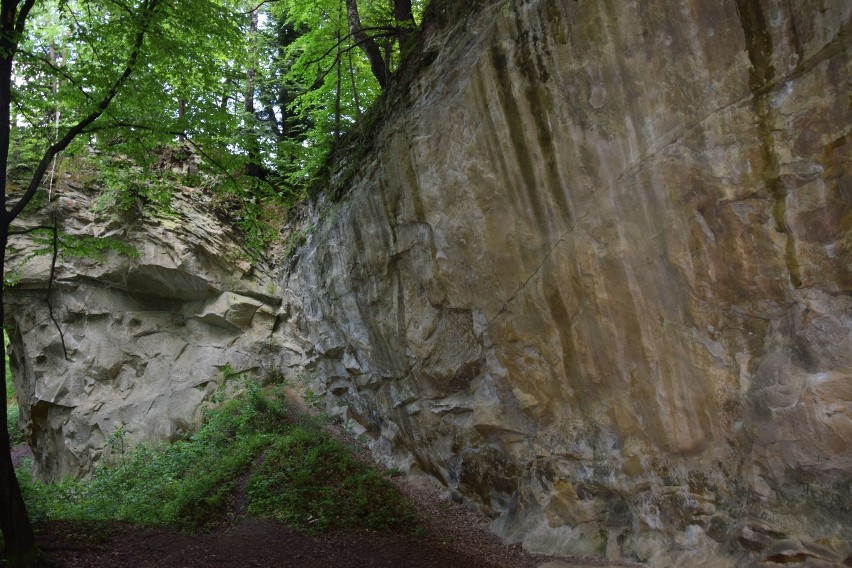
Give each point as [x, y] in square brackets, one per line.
[263, 91]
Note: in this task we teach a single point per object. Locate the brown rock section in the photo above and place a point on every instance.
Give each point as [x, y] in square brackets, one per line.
[595, 278]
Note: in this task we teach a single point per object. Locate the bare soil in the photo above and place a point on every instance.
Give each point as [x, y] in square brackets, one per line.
[251, 543]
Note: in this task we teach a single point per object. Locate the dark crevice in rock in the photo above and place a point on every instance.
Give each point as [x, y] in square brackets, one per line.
[761, 73]
[758, 43]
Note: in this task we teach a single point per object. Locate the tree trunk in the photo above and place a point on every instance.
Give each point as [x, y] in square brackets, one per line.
[226, 97]
[273, 120]
[21, 550]
[374, 54]
[404, 18]
[14, 521]
[337, 103]
[354, 87]
[18, 533]
[288, 127]
[252, 147]
[251, 72]
[181, 114]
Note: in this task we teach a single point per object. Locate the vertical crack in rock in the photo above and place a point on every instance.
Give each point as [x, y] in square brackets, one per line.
[761, 74]
[532, 275]
[758, 43]
[513, 116]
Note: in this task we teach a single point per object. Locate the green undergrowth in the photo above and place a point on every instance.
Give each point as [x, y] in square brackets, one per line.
[253, 447]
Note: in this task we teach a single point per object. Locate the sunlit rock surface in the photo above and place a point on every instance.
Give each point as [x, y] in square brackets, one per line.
[148, 339]
[595, 278]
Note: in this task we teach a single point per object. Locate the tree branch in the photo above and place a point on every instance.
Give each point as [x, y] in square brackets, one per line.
[56, 69]
[316, 84]
[378, 64]
[50, 284]
[389, 31]
[21, 20]
[33, 123]
[258, 7]
[31, 230]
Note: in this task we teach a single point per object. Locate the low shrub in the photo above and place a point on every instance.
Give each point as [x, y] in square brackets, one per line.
[313, 481]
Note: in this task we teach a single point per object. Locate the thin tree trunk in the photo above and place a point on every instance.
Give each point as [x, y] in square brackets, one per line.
[404, 18]
[14, 521]
[354, 86]
[251, 71]
[252, 146]
[55, 117]
[54, 87]
[374, 54]
[286, 35]
[273, 120]
[226, 98]
[181, 114]
[337, 62]
[337, 110]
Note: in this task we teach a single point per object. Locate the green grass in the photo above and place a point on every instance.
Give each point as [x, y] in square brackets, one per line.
[324, 486]
[296, 471]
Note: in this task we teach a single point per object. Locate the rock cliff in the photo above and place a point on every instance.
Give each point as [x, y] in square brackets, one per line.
[593, 276]
[148, 336]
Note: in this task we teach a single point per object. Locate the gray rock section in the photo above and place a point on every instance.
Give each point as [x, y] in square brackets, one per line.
[148, 339]
[595, 278]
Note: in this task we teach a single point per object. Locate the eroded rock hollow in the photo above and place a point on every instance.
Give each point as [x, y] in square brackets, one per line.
[594, 277]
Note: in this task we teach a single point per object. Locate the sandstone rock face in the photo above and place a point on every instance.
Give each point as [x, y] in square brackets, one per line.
[148, 339]
[596, 278]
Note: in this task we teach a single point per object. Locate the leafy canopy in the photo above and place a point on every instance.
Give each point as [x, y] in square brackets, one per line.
[76, 50]
[308, 52]
[267, 88]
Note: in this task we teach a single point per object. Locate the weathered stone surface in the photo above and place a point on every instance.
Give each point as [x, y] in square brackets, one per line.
[147, 338]
[596, 278]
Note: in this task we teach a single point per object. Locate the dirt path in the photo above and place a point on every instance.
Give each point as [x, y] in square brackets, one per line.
[451, 536]
[252, 543]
